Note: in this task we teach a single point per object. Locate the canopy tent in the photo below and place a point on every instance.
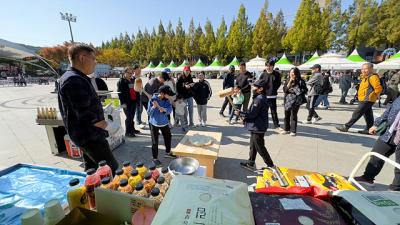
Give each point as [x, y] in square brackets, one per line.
[17, 52]
[235, 62]
[172, 65]
[355, 57]
[389, 64]
[180, 67]
[396, 56]
[256, 64]
[330, 61]
[148, 68]
[216, 65]
[284, 63]
[160, 67]
[313, 57]
[199, 66]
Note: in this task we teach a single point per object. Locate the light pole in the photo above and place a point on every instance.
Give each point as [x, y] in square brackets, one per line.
[70, 18]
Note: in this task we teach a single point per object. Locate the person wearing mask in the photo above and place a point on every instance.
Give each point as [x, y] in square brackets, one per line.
[345, 85]
[386, 145]
[242, 80]
[326, 89]
[368, 92]
[392, 88]
[229, 82]
[295, 89]
[315, 83]
[272, 80]
[152, 87]
[183, 85]
[158, 110]
[128, 98]
[202, 93]
[256, 121]
[81, 109]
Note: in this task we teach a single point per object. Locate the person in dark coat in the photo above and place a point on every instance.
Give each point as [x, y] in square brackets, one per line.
[243, 81]
[344, 85]
[229, 82]
[202, 93]
[183, 85]
[256, 121]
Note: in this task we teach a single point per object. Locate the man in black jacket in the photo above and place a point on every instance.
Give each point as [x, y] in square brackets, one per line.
[256, 121]
[272, 80]
[183, 85]
[128, 98]
[243, 82]
[229, 82]
[202, 93]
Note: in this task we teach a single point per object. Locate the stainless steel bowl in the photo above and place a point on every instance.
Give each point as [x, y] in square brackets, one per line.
[184, 166]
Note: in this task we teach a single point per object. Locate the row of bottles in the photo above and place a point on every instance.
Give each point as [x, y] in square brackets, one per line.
[46, 113]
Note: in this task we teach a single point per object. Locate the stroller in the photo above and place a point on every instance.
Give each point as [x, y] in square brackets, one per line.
[356, 86]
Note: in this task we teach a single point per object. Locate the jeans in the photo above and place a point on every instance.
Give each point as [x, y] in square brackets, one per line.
[166, 133]
[272, 106]
[291, 119]
[257, 144]
[375, 164]
[363, 109]
[97, 150]
[323, 99]
[138, 113]
[182, 119]
[238, 106]
[189, 103]
[226, 102]
[246, 101]
[129, 121]
[344, 95]
[311, 107]
[202, 112]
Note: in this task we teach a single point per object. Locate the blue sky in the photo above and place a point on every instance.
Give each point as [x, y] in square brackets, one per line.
[38, 22]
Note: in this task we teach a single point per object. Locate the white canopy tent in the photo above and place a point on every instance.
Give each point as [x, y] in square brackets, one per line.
[214, 66]
[331, 61]
[389, 64]
[256, 64]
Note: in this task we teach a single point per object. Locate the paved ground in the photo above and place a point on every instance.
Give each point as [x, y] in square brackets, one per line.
[317, 147]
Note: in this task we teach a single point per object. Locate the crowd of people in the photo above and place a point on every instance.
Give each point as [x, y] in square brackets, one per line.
[169, 103]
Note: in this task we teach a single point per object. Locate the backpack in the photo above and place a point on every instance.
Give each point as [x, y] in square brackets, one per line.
[382, 81]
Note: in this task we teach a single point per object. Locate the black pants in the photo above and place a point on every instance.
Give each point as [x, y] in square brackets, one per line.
[291, 119]
[311, 107]
[363, 109]
[246, 101]
[130, 116]
[375, 164]
[274, 114]
[166, 133]
[226, 102]
[344, 95]
[257, 144]
[97, 150]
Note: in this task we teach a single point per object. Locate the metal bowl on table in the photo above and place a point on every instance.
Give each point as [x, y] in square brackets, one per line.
[184, 166]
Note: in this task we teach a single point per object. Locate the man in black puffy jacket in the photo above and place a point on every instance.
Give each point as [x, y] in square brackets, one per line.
[256, 121]
[243, 81]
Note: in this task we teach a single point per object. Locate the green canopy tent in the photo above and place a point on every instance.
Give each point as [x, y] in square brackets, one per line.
[355, 57]
[235, 62]
[159, 67]
[199, 66]
[396, 56]
[313, 57]
[283, 63]
[216, 65]
[149, 68]
[172, 65]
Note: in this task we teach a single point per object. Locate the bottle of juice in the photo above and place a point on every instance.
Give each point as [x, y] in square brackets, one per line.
[104, 170]
[119, 175]
[92, 181]
[167, 175]
[124, 187]
[148, 182]
[162, 185]
[76, 195]
[156, 196]
[134, 179]
[141, 169]
[127, 168]
[106, 183]
[154, 172]
[140, 191]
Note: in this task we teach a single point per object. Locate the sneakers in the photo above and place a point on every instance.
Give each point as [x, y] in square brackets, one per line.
[292, 134]
[248, 165]
[363, 132]
[231, 122]
[283, 132]
[130, 135]
[363, 180]
[136, 131]
[142, 126]
[315, 120]
[203, 124]
[279, 129]
[170, 155]
[157, 163]
[307, 122]
[342, 128]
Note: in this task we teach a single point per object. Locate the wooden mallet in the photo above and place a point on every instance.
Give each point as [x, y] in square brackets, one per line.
[227, 93]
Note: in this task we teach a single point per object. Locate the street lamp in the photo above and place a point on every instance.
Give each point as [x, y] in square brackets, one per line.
[70, 18]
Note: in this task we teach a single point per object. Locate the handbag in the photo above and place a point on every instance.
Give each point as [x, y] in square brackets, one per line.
[381, 129]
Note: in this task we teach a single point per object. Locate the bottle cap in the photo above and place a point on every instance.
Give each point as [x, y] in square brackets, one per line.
[74, 182]
[90, 172]
[160, 180]
[119, 172]
[106, 180]
[123, 183]
[134, 173]
[126, 163]
[139, 187]
[155, 192]
[147, 176]
[102, 163]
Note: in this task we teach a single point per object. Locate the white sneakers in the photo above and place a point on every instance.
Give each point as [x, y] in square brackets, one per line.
[292, 134]
[315, 120]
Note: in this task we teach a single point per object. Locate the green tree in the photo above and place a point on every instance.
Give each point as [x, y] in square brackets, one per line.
[262, 34]
[190, 41]
[198, 37]
[239, 40]
[179, 41]
[221, 40]
[210, 48]
[168, 43]
[279, 31]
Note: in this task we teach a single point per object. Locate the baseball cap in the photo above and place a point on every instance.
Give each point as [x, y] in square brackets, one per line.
[316, 66]
[166, 90]
[167, 70]
[231, 68]
[259, 83]
[186, 68]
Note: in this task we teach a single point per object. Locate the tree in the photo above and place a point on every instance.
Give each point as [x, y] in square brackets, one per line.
[209, 47]
[220, 44]
[179, 41]
[198, 37]
[239, 41]
[362, 24]
[189, 41]
[56, 54]
[113, 57]
[262, 34]
[168, 43]
[338, 25]
[279, 30]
